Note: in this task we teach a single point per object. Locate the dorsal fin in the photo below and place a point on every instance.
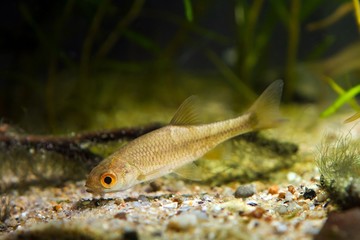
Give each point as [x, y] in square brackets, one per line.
[187, 113]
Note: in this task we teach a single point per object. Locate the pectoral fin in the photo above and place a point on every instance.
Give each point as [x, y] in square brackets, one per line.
[190, 171]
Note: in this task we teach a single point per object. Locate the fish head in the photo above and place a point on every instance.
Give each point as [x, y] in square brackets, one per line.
[108, 177]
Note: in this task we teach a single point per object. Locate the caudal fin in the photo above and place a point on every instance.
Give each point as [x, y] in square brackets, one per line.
[266, 107]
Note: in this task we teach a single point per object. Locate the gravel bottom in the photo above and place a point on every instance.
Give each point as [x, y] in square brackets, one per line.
[289, 205]
[178, 210]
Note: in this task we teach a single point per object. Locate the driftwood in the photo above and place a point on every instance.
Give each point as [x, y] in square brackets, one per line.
[71, 146]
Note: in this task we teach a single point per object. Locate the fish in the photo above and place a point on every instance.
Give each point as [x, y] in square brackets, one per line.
[352, 118]
[174, 147]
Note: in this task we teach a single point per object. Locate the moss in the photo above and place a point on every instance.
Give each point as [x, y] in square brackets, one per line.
[339, 166]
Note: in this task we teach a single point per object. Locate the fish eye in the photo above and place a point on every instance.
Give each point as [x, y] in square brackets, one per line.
[108, 180]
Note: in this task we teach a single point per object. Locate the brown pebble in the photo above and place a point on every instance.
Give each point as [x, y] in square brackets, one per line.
[274, 189]
[153, 187]
[179, 200]
[121, 216]
[291, 189]
[268, 218]
[257, 213]
[281, 195]
[57, 208]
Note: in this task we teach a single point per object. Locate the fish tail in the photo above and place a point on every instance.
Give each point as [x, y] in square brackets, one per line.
[265, 111]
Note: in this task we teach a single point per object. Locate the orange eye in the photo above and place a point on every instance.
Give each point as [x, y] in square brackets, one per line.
[108, 180]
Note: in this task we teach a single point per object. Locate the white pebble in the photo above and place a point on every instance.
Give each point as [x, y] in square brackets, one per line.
[280, 227]
[288, 196]
[293, 177]
[216, 208]
[170, 205]
[281, 209]
[183, 221]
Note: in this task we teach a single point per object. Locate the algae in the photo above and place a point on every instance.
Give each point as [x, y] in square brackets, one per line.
[339, 166]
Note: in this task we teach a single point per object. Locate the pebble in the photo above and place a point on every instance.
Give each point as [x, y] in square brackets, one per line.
[170, 205]
[311, 227]
[293, 177]
[273, 189]
[57, 207]
[281, 209]
[182, 222]
[130, 235]
[143, 198]
[244, 191]
[293, 207]
[281, 195]
[252, 203]
[322, 196]
[309, 194]
[280, 227]
[216, 208]
[291, 189]
[288, 196]
[257, 213]
[200, 215]
[121, 216]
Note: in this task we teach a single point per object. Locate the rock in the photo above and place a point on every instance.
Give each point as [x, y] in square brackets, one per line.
[281, 195]
[130, 235]
[245, 191]
[182, 222]
[291, 189]
[121, 216]
[257, 213]
[281, 209]
[273, 189]
[341, 226]
[171, 205]
[309, 194]
[322, 196]
[288, 196]
[280, 227]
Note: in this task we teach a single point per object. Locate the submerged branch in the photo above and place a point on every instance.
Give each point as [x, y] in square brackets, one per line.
[73, 145]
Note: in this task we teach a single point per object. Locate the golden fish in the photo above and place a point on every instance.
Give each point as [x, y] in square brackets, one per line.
[173, 148]
[353, 118]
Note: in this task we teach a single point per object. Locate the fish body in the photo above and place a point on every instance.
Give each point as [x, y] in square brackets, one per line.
[173, 148]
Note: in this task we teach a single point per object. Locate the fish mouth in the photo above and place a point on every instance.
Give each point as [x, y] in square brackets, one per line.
[88, 189]
[92, 190]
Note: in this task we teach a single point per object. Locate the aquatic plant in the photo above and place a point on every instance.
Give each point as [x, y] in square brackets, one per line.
[345, 96]
[339, 166]
[188, 10]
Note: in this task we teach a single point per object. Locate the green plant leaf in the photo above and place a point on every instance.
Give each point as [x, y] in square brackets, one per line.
[341, 100]
[188, 10]
[143, 41]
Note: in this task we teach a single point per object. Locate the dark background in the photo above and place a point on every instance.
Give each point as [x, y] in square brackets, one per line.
[52, 49]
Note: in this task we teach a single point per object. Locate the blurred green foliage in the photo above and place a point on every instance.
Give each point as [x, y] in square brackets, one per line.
[344, 97]
[78, 57]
